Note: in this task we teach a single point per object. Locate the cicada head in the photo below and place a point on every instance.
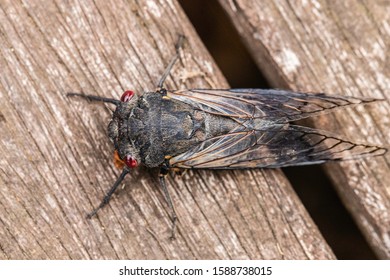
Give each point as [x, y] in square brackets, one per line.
[118, 128]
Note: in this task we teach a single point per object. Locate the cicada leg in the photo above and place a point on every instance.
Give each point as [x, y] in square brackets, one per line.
[108, 195]
[178, 46]
[163, 173]
[95, 98]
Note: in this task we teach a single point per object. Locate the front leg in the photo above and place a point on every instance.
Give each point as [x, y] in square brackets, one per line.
[109, 194]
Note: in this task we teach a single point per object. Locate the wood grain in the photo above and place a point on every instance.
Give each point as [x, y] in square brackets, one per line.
[56, 159]
[340, 48]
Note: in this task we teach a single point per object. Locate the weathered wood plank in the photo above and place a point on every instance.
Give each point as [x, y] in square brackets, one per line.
[56, 159]
[335, 47]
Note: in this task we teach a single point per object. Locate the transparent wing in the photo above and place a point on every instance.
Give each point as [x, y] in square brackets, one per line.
[274, 105]
[276, 146]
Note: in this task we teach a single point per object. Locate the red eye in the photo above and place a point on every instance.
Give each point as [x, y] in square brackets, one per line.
[130, 161]
[127, 95]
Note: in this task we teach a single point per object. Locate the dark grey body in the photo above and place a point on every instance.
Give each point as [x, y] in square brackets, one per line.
[229, 129]
[153, 128]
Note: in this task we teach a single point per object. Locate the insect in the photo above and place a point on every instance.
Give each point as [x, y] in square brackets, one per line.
[222, 129]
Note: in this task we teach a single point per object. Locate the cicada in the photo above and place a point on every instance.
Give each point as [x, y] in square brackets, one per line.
[223, 129]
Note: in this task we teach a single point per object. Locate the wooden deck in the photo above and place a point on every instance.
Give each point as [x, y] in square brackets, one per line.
[57, 160]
